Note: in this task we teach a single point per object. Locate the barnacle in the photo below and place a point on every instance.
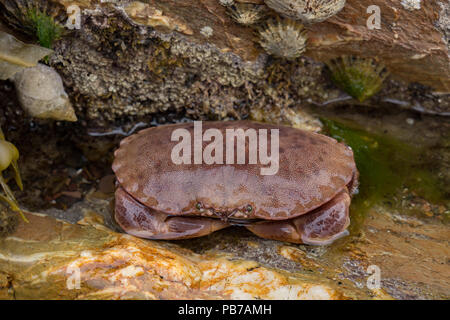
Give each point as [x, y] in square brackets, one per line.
[247, 13]
[226, 3]
[284, 38]
[359, 77]
[8, 157]
[309, 11]
[42, 20]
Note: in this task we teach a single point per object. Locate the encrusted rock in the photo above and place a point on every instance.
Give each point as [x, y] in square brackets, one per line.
[113, 67]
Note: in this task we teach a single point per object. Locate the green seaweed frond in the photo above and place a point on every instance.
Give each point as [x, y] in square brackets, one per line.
[46, 28]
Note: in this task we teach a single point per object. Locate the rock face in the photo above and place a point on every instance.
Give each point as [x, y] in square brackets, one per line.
[399, 43]
[134, 58]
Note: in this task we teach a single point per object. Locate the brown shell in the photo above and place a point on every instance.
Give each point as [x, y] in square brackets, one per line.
[313, 169]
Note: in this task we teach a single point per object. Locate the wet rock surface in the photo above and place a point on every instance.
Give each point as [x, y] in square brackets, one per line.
[118, 266]
[410, 253]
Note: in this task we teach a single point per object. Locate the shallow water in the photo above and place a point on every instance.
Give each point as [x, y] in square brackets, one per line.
[393, 173]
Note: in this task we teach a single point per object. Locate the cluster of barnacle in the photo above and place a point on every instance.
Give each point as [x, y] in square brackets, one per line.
[8, 157]
[282, 34]
[162, 61]
[281, 31]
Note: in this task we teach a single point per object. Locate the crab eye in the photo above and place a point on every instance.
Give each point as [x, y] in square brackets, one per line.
[248, 208]
[199, 206]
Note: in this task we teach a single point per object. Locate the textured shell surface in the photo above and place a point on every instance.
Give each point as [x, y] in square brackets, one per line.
[283, 38]
[359, 77]
[309, 11]
[313, 169]
[247, 13]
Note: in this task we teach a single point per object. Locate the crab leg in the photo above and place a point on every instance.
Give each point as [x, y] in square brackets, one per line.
[140, 221]
[320, 227]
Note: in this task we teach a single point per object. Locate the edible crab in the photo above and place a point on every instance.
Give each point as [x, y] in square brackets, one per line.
[306, 201]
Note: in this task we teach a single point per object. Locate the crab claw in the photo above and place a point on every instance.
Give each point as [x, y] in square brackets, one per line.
[320, 227]
[144, 222]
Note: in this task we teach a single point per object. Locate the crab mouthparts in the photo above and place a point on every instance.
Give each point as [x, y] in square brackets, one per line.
[225, 215]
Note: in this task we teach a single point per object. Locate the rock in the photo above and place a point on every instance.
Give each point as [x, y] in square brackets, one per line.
[134, 59]
[288, 117]
[15, 55]
[41, 93]
[117, 266]
[228, 264]
[398, 43]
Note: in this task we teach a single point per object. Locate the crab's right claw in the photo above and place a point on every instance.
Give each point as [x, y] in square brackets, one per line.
[144, 222]
[320, 227]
